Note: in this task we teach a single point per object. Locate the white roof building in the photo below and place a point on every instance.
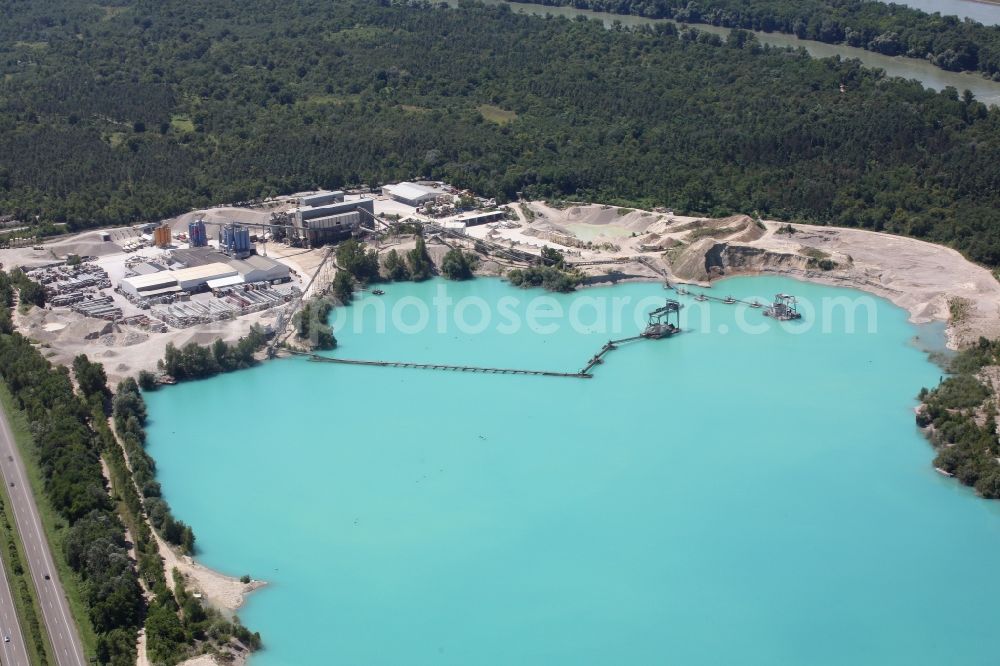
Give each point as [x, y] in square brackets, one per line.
[196, 276]
[230, 281]
[149, 285]
[256, 268]
[411, 194]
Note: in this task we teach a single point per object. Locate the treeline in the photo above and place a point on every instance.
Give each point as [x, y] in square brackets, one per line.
[194, 361]
[68, 454]
[129, 411]
[220, 106]
[959, 417]
[363, 264]
[949, 42]
[177, 625]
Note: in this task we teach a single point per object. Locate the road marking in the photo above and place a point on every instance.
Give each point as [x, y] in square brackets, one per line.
[7, 438]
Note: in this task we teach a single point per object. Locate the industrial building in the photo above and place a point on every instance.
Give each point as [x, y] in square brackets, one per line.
[481, 218]
[147, 286]
[320, 199]
[256, 268]
[333, 221]
[202, 268]
[192, 279]
[411, 194]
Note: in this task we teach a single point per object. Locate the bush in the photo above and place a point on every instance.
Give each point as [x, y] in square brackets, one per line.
[147, 380]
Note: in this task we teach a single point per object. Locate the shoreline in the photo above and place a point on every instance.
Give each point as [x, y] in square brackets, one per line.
[225, 593]
[613, 245]
[869, 269]
[925, 279]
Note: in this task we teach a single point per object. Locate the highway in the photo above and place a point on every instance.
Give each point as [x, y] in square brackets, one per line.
[15, 651]
[66, 646]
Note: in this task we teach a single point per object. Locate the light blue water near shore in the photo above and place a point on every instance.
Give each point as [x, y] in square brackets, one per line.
[715, 498]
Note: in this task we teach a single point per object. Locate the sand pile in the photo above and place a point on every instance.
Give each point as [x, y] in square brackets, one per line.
[84, 245]
[736, 228]
[633, 220]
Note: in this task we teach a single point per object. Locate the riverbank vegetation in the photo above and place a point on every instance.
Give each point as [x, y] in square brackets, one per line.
[959, 418]
[646, 117]
[948, 42]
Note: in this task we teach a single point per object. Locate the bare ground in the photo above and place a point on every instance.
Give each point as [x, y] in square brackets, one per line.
[923, 278]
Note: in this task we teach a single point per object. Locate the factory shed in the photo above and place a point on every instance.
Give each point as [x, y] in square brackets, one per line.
[195, 277]
[482, 218]
[144, 285]
[321, 198]
[411, 194]
[256, 268]
[230, 281]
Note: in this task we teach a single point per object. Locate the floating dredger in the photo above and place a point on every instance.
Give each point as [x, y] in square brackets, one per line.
[784, 308]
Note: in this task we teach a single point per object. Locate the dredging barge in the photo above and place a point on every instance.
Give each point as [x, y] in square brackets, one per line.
[784, 308]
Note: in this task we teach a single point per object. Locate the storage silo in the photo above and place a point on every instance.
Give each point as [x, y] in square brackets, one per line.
[234, 240]
[161, 235]
[197, 237]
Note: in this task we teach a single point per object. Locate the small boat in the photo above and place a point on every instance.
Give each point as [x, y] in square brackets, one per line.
[701, 297]
[682, 291]
[378, 292]
[729, 300]
[943, 472]
[756, 304]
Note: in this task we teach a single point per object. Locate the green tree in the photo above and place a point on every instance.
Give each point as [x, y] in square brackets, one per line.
[421, 267]
[395, 267]
[457, 265]
[343, 287]
[356, 260]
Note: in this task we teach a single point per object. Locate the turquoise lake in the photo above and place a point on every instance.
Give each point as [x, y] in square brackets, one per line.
[726, 496]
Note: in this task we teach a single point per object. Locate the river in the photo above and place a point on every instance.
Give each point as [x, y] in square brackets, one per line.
[932, 77]
[987, 13]
[744, 493]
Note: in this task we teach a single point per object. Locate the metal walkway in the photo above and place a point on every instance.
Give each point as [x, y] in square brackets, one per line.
[443, 366]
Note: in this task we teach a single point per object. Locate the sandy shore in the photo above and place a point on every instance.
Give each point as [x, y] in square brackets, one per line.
[223, 592]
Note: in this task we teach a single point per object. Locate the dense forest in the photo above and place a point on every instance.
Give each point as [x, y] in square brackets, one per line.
[137, 110]
[888, 28]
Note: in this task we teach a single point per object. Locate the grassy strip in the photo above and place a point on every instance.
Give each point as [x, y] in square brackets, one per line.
[52, 523]
[25, 601]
